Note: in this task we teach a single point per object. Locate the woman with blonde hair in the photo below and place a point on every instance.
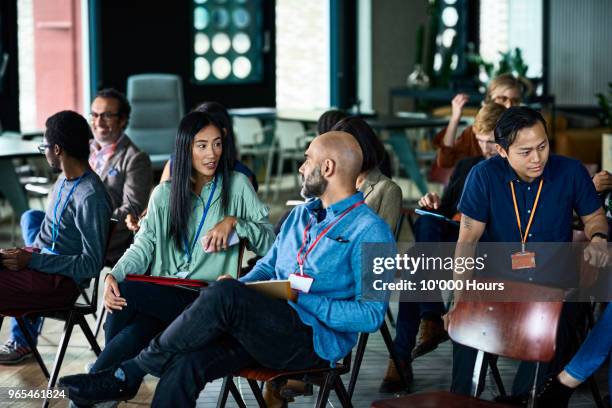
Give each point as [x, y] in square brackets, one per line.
[506, 90]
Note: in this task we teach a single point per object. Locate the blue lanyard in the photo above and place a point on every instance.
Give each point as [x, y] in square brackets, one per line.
[189, 248]
[56, 220]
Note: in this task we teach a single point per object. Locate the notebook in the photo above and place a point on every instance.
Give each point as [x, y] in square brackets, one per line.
[279, 289]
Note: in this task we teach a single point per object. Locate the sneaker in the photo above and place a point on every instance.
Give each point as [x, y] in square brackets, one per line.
[554, 394]
[12, 353]
[89, 389]
[431, 334]
[392, 382]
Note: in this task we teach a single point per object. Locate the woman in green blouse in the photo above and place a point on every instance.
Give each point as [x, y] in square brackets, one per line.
[186, 233]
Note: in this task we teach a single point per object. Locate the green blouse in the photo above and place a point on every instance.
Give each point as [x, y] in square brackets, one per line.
[153, 246]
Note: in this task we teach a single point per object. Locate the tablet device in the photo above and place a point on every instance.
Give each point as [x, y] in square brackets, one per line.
[433, 214]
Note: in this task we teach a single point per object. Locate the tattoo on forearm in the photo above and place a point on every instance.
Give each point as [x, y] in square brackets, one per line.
[466, 222]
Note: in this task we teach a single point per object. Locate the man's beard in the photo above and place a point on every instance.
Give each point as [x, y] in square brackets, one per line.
[314, 185]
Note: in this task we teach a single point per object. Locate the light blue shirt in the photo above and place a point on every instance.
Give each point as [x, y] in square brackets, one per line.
[333, 308]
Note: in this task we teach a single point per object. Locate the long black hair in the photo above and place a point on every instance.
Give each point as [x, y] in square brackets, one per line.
[181, 198]
[218, 112]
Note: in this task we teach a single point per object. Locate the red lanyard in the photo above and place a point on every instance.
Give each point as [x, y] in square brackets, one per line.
[302, 259]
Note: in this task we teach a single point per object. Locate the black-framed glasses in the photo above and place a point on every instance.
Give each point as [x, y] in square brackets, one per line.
[105, 116]
[43, 147]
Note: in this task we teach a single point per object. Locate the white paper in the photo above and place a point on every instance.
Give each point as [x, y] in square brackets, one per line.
[233, 239]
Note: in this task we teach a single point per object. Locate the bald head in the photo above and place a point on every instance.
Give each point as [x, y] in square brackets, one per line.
[344, 150]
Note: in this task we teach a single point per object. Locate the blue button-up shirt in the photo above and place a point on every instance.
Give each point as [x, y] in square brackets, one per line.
[567, 187]
[333, 307]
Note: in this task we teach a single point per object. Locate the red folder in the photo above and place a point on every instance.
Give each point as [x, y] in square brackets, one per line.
[167, 281]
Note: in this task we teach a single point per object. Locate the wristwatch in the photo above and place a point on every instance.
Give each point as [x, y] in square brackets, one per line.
[600, 235]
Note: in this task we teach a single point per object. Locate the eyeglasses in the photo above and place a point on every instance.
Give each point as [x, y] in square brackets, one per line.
[42, 147]
[502, 99]
[105, 116]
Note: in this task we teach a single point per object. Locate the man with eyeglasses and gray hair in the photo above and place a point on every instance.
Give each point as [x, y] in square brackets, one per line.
[125, 171]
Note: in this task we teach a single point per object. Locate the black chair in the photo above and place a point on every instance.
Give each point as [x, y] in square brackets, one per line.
[361, 346]
[325, 378]
[72, 315]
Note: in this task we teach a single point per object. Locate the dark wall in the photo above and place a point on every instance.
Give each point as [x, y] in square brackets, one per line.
[9, 82]
[138, 36]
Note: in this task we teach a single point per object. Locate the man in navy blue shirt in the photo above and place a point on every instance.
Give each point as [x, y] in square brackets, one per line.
[526, 170]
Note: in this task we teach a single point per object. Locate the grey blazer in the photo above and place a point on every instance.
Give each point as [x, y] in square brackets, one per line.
[128, 178]
[383, 196]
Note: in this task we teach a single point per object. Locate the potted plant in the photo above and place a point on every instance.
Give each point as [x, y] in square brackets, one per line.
[605, 103]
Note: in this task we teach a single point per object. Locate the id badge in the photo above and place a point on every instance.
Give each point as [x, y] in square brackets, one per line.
[300, 282]
[49, 251]
[523, 260]
[182, 274]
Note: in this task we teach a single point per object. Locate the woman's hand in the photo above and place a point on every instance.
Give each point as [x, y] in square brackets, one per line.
[218, 237]
[112, 297]
[132, 223]
[457, 104]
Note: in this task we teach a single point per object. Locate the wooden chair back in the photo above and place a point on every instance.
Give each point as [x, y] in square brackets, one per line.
[519, 330]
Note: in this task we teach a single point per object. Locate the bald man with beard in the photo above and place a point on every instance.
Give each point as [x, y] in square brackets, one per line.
[230, 327]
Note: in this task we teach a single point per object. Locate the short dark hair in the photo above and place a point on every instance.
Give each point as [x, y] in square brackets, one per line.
[371, 146]
[328, 119]
[512, 121]
[125, 109]
[71, 132]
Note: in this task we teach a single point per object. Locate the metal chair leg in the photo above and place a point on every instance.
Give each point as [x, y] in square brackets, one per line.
[384, 330]
[496, 376]
[61, 352]
[224, 393]
[361, 345]
[324, 391]
[235, 393]
[32, 344]
[257, 393]
[390, 318]
[99, 321]
[343, 395]
[88, 334]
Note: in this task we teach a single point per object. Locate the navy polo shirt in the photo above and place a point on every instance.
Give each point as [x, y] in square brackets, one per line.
[567, 188]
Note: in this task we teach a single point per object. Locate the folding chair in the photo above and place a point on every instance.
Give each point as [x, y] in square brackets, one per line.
[325, 378]
[524, 331]
[72, 315]
[361, 346]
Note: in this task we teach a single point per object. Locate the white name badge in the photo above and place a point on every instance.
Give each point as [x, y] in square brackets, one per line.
[182, 274]
[300, 282]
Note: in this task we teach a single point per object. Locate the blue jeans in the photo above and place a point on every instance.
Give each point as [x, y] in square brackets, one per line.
[228, 327]
[150, 308]
[594, 351]
[427, 228]
[30, 226]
